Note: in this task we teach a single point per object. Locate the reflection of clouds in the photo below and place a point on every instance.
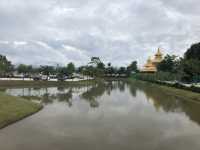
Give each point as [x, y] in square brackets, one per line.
[42, 91]
[122, 121]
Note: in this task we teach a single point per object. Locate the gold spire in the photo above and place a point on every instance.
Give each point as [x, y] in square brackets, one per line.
[158, 57]
[149, 60]
[151, 64]
[158, 52]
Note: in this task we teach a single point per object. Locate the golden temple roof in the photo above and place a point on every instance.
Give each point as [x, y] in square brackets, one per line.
[151, 64]
[158, 53]
[158, 57]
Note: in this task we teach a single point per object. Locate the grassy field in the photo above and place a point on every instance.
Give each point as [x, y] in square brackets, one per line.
[13, 109]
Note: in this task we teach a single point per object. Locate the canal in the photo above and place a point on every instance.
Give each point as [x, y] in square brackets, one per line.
[114, 115]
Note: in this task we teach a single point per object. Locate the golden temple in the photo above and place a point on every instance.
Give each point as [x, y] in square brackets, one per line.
[151, 65]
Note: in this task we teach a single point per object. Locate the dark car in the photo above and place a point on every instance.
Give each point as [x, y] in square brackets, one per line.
[62, 78]
[37, 78]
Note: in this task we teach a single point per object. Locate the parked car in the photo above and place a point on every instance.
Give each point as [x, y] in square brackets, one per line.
[62, 78]
[45, 78]
[70, 77]
[37, 78]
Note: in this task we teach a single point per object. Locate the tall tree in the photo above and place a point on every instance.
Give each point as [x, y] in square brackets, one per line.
[95, 61]
[168, 64]
[122, 70]
[62, 71]
[191, 63]
[96, 67]
[70, 68]
[193, 52]
[25, 69]
[5, 66]
[132, 68]
[47, 70]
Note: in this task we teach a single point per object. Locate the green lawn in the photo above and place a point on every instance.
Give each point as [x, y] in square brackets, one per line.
[13, 109]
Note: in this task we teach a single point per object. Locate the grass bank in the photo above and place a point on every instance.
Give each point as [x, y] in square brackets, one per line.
[8, 83]
[155, 78]
[168, 90]
[13, 109]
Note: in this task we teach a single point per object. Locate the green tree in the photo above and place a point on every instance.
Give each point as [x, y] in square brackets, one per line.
[47, 70]
[193, 52]
[62, 71]
[191, 63]
[132, 68]
[70, 68]
[5, 66]
[168, 64]
[191, 68]
[100, 69]
[95, 68]
[122, 70]
[108, 68]
[94, 61]
[25, 69]
[101, 66]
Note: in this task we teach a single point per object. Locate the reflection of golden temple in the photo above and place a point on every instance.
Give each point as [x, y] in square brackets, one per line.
[150, 66]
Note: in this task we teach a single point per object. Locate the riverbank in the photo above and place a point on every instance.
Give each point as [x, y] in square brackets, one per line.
[170, 83]
[16, 83]
[13, 109]
[171, 91]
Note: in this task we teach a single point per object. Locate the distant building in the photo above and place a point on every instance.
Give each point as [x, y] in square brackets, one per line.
[151, 65]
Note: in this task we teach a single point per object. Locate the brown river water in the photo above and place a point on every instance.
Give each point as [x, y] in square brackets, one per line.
[113, 115]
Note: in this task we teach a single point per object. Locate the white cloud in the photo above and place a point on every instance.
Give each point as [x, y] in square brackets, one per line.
[115, 30]
[19, 43]
[4, 42]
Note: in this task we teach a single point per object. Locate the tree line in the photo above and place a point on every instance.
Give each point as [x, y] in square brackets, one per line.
[186, 68]
[94, 68]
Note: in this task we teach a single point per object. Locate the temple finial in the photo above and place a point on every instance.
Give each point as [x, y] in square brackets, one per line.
[159, 49]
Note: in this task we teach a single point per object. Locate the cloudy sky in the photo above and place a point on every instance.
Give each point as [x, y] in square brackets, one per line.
[118, 31]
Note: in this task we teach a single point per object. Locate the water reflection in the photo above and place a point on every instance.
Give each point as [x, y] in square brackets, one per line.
[166, 101]
[91, 94]
[65, 97]
[110, 115]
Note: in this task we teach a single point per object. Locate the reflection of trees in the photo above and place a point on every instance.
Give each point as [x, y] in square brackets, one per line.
[65, 97]
[113, 85]
[192, 110]
[168, 102]
[121, 86]
[61, 88]
[92, 94]
[109, 87]
[36, 88]
[47, 98]
[132, 89]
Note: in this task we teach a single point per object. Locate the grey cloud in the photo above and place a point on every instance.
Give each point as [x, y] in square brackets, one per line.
[115, 30]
